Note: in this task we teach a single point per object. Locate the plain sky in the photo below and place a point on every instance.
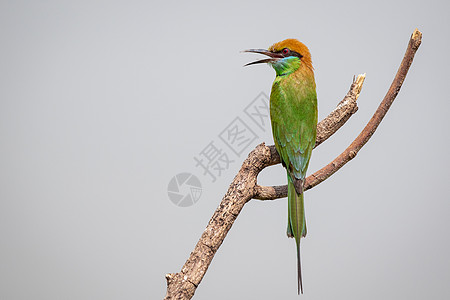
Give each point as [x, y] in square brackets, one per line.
[102, 103]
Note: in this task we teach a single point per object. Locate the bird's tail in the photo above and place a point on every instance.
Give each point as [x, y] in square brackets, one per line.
[296, 224]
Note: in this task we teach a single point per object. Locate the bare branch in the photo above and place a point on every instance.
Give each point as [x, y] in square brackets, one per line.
[328, 126]
[345, 109]
[182, 285]
[275, 192]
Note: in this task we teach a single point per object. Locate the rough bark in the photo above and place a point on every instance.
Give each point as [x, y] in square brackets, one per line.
[182, 285]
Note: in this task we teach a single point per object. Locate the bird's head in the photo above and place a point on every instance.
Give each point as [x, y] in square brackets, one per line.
[285, 57]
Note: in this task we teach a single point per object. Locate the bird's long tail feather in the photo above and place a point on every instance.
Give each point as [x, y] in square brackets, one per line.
[299, 271]
[297, 224]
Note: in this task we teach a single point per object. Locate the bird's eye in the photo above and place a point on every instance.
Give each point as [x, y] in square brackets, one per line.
[285, 51]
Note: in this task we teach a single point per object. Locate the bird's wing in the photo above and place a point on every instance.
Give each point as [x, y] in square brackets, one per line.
[294, 140]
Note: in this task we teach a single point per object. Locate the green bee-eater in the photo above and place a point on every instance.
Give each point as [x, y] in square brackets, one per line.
[293, 114]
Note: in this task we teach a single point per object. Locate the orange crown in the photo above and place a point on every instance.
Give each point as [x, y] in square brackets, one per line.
[296, 46]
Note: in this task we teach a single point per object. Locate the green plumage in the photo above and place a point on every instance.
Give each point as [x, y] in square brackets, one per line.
[293, 113]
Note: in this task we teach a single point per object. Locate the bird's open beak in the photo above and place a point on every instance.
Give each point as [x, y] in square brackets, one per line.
[273, 56]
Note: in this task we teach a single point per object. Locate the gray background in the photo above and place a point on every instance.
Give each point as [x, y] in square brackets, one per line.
[103, 102]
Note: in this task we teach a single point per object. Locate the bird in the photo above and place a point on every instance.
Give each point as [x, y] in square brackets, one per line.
[293, 115]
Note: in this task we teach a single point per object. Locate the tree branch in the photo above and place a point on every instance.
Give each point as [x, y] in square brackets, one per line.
[275, 192]
[182, 285]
